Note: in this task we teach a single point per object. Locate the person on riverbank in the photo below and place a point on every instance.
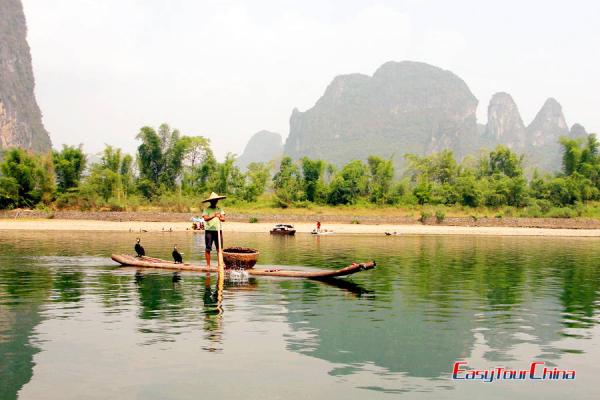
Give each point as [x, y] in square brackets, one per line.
[197, 223]
[213, 219]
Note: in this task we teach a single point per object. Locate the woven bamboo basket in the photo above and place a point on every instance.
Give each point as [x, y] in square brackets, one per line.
[240, 257]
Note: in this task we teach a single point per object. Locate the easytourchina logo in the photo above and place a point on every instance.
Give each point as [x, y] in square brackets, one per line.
[536, 371]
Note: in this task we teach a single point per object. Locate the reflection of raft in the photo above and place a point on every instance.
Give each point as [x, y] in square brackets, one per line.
[149, 262]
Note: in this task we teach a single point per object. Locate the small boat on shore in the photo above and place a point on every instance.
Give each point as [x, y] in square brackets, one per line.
[322, 232]
[151, 262]
[283, 229]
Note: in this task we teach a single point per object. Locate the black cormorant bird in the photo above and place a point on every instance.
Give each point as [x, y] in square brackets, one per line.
[139, 249]
[177, 255]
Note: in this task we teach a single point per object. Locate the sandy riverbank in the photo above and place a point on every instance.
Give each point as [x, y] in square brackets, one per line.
[301, 227]
[384, 218]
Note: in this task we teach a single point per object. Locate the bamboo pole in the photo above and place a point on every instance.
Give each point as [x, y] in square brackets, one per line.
[221, 263]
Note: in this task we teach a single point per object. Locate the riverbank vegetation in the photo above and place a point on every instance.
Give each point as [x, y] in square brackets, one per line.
[173, 172]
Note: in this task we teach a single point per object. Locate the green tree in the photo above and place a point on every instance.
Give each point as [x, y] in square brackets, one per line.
[423, 190]
[228, 178]
[502, 179]
[160, 159]
[197, 150]
[31, 175]
[381, 173]
[580, 178]
[349, 184]
[503, 161]
[437, 167]
[112, 177]
[287, 182]
[434, 177]
[590, 152]
[199, 163]
[571, 155]
[9, 192]
[590, 163]
[312, 172]
[581, 157]
[469, 190]
[256, 178]
[69, 164]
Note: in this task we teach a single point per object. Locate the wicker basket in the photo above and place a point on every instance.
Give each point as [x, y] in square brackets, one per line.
[240, 257]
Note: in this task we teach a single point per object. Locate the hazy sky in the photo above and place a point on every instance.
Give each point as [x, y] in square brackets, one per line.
[226, 69]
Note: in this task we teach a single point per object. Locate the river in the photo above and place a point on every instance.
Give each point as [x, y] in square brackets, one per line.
[74, 325]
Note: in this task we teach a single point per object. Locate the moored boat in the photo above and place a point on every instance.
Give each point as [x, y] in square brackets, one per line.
[151, 262]
[283, 229]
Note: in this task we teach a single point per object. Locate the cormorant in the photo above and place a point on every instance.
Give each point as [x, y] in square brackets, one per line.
[177, 255]
[139, 249]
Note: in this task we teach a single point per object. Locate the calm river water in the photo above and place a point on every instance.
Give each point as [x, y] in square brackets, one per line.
[73, 325]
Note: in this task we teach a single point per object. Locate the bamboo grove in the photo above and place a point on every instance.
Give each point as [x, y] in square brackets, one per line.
[169, 167]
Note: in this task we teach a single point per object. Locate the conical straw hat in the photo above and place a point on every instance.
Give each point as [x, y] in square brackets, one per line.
[213, 196]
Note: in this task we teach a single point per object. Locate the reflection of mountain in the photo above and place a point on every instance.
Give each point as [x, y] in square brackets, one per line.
[433, 294]
[22, 291]
[530, 322]
[352, 333]
[16, 352]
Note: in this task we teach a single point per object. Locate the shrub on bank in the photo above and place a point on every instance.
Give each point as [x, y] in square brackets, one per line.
[425, 215]
[439, 216]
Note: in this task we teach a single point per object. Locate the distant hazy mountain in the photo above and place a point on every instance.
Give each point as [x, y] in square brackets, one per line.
[405, 107]
[548, 125]
[20, 117]
[577, 130]
[539, 140]
[505, 124]
[544, 132]
[263, 146]
[411, 107]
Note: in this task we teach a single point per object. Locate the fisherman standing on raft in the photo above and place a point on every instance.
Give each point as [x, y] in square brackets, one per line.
[213, 217]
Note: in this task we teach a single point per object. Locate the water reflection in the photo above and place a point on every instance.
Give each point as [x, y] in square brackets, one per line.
[164, 299]
[213, 313]
[159, 298]
[23, 290]
[114, 291]
[68, 286]
[357, 290]
[431, 308]
[356, 333]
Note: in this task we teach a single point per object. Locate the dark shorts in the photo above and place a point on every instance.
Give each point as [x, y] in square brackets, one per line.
[211, 237]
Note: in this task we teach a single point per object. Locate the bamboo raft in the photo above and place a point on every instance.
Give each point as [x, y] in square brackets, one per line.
[151, 262]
